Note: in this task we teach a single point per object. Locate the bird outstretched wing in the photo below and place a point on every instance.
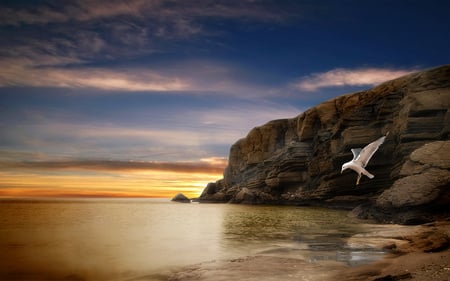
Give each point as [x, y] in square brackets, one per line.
[356, 152]
[367, 152]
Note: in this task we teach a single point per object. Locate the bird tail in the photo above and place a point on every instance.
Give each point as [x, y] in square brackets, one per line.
[366, 173]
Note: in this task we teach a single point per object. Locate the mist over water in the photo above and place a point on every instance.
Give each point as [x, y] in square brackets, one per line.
[123, 239]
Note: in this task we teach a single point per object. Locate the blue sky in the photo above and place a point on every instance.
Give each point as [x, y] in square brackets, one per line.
[170, 85]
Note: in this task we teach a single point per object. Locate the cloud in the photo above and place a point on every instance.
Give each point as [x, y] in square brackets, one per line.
[112, 29]
[175, 136]
[61, 139]
[218, 125]
[219, 161]
[7, 155]
[107, 178]
[200, 77]
[70, 11]
[134, 23]
[213, 125]
[188, 10]
[27, 72]
[179, 134]
[240, 119]
[208, 165]
[82, 44]
[347, 77]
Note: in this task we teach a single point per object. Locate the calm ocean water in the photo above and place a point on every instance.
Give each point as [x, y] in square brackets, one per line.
[123, 239]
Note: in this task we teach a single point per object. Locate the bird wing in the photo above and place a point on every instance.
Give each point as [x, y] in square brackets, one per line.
[367, 152]
[356, 152]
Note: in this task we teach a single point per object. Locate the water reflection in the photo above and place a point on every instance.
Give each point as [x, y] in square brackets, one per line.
[312, 234]
[104, 239]
[122, 239]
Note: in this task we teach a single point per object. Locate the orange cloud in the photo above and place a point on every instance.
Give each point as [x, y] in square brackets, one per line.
[207, 165]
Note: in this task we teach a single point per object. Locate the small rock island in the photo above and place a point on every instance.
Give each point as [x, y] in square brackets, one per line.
[180, 197]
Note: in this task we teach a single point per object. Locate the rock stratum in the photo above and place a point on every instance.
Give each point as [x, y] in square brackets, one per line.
[298, 161]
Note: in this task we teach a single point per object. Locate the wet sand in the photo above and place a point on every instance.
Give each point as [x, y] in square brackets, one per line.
[422, 253]
[416, 253]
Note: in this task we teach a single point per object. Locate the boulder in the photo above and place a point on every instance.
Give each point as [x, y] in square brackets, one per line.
[425, 178]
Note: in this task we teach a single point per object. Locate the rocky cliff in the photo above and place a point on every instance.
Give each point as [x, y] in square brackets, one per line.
[298, 161]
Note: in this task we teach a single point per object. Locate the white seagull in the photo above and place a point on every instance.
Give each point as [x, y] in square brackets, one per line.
[361, 157]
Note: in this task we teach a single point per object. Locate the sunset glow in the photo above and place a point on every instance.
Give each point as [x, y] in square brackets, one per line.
[145, 98]
[106, 184]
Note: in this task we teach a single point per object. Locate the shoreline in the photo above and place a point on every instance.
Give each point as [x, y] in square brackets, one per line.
[415, 253]
[420, 254]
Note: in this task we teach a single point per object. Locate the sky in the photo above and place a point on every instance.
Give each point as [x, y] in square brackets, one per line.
[144, 98]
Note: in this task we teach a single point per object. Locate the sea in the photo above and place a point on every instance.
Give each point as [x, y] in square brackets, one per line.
[126, 239]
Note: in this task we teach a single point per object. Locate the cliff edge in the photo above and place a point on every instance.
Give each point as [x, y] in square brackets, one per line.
[298, 161]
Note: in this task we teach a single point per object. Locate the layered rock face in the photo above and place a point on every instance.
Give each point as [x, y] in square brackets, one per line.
[298, 160]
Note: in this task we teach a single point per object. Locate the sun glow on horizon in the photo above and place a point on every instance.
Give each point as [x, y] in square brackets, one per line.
[128, 184]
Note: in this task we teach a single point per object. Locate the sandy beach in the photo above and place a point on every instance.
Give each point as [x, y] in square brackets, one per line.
[415, 253]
